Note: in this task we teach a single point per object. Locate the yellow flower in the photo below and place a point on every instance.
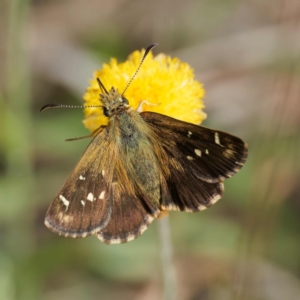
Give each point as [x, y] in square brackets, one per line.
[166, 83]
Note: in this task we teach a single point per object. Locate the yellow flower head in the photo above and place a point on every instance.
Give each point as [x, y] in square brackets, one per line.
[166, 83]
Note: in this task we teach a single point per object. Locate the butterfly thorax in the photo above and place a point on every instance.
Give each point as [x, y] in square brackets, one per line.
[113, 102]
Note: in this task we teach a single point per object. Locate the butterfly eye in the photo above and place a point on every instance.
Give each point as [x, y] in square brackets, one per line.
[125, 101]
[105, 112]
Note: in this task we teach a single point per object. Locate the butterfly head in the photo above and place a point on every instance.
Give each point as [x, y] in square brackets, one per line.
[113, 102]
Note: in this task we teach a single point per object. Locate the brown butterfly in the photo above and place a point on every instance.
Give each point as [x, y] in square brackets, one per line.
[138, 166]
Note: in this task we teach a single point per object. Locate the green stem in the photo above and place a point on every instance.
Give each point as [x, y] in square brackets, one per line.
[169, 272]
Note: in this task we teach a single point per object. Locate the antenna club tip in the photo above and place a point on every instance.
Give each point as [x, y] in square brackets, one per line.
[149, 48]
[47, 106]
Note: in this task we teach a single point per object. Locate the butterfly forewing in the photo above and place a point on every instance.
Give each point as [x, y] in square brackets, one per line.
[198, 160]
[211, 154]
[83, 205]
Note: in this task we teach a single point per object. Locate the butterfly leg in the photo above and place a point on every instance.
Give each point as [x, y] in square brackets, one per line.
[140, 107]
[94, 133]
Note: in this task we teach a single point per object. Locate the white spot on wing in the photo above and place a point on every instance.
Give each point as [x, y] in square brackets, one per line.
[217, 139]
[206, 151]
[90, 197]
[189, 134]
[190, 157]
[198, 152]
[228, 153]
[102, 195]
[81, 177]
[82, 203]
[64, 201]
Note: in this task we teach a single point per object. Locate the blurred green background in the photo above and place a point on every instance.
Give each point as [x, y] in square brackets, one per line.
[247, 54]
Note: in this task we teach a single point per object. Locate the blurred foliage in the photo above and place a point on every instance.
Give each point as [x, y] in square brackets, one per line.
[246, 53]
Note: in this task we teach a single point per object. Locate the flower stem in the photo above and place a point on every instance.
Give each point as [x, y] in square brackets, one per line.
[169, 272]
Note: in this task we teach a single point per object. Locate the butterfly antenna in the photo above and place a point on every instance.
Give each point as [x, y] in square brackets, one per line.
[51, 105]
[102, 87]
[138, 68]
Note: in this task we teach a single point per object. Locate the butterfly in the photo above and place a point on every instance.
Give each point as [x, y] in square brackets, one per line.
[138, 166]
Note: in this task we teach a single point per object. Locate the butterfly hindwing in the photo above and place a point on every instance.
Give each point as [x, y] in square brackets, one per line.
[185, 192]
[131, 216]
[83, 205]
[198, 159]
